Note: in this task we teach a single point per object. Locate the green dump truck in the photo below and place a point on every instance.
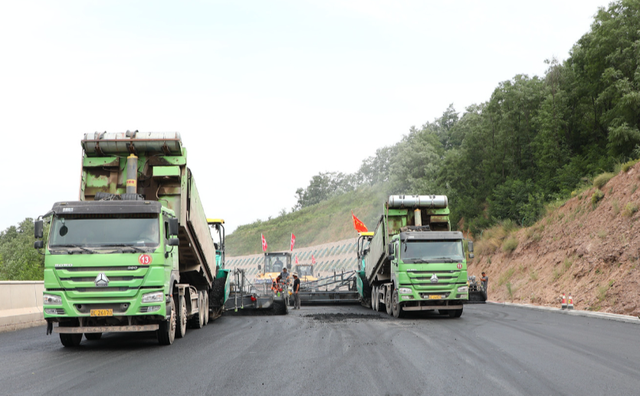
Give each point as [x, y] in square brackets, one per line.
[135, 253]
[413, 261]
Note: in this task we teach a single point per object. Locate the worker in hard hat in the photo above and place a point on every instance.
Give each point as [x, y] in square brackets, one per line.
[296, 289]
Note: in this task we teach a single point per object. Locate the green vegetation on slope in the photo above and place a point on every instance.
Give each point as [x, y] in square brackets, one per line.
[532, 142]
[327, 221]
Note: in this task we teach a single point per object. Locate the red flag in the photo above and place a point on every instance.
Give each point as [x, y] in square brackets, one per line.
[293, 241]
[264, 243]
[358, 225]
[297, 259]
[313, 259]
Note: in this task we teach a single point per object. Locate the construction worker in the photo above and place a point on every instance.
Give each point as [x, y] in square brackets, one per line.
[485, 281]
[296, 289]
[284, 276]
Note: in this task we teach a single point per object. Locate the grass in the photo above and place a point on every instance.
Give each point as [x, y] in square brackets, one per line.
[602, 179]
[602, 234]
[510, 244]
[506, 276]
[533, 275]
[628, 165]
[491, 240]
[559, 271]
[630, 209]
[567, 264]
[615, 207]
[509, 290]
[325, 222]
[602, 292]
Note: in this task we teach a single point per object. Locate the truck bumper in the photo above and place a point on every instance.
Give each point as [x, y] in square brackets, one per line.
[105, 329]
[430, 307]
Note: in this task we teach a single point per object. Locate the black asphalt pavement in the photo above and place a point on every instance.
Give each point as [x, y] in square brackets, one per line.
[340, 350]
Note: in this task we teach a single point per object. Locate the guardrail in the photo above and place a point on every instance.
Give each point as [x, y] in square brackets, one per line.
[20, 304]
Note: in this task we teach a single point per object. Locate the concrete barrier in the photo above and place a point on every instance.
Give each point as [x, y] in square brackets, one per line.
[20, 305]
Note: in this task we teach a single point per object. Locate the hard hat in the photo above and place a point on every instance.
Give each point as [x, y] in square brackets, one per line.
[295, 274]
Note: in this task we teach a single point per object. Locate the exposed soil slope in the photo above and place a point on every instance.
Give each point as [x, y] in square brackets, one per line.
[589, 251]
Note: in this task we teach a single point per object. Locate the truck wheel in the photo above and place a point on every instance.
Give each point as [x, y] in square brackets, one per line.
[167, 330]
[395, 305]
[206, 308]
[200, 323]
[387, 301]
[181, 327]
[455, 313]
[374, 298]
[71, 340]
[92, 336]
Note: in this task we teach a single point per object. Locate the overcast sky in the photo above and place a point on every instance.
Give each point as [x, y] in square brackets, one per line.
[266, 94]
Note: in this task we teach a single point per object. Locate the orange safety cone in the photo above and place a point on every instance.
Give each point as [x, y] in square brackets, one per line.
[564, 302]
[570, 306]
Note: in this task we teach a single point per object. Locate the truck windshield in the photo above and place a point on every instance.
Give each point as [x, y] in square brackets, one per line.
[432, 251]
[305, 270]
[104, 232]
[276, 263]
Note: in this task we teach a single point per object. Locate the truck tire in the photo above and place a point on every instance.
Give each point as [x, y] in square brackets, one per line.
[387, 301]
[167, 330]
[93, 336]
[367, 299]
[70, 340]
[396, 308]
[197, 320]
[377, 297]
[181, 317]
[374, 298]
[206, 308]
[455, 313]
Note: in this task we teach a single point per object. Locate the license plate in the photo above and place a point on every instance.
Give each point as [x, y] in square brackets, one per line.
[102, 312]
[435, 297]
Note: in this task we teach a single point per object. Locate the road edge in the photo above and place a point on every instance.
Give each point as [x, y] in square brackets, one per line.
[573, 312]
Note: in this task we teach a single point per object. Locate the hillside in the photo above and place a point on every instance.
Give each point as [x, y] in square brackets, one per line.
[328, 221]
[589, 250]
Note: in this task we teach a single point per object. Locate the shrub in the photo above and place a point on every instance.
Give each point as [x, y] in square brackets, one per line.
[510, 244]
[629, 209]
[627, 165]
[602, 179]
[596, 197]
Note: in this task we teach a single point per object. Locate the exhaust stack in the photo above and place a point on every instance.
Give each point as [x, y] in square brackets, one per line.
[132, 174]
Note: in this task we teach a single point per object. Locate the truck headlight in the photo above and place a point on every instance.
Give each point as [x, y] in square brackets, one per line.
[153, 308]
[50, 299]
[404, 290]
[463, 289]
[153, 297]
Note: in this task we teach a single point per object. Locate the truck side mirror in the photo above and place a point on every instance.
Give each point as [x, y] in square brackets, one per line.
[259, 267]
[38, 244]
[470, 246]
[38, 229]
[173, 227]
[173, 242]
[391, 248]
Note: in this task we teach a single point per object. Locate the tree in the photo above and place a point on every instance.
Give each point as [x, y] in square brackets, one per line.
[18, 259]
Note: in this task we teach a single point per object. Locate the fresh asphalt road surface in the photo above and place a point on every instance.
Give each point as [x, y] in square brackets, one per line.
[340, 350]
